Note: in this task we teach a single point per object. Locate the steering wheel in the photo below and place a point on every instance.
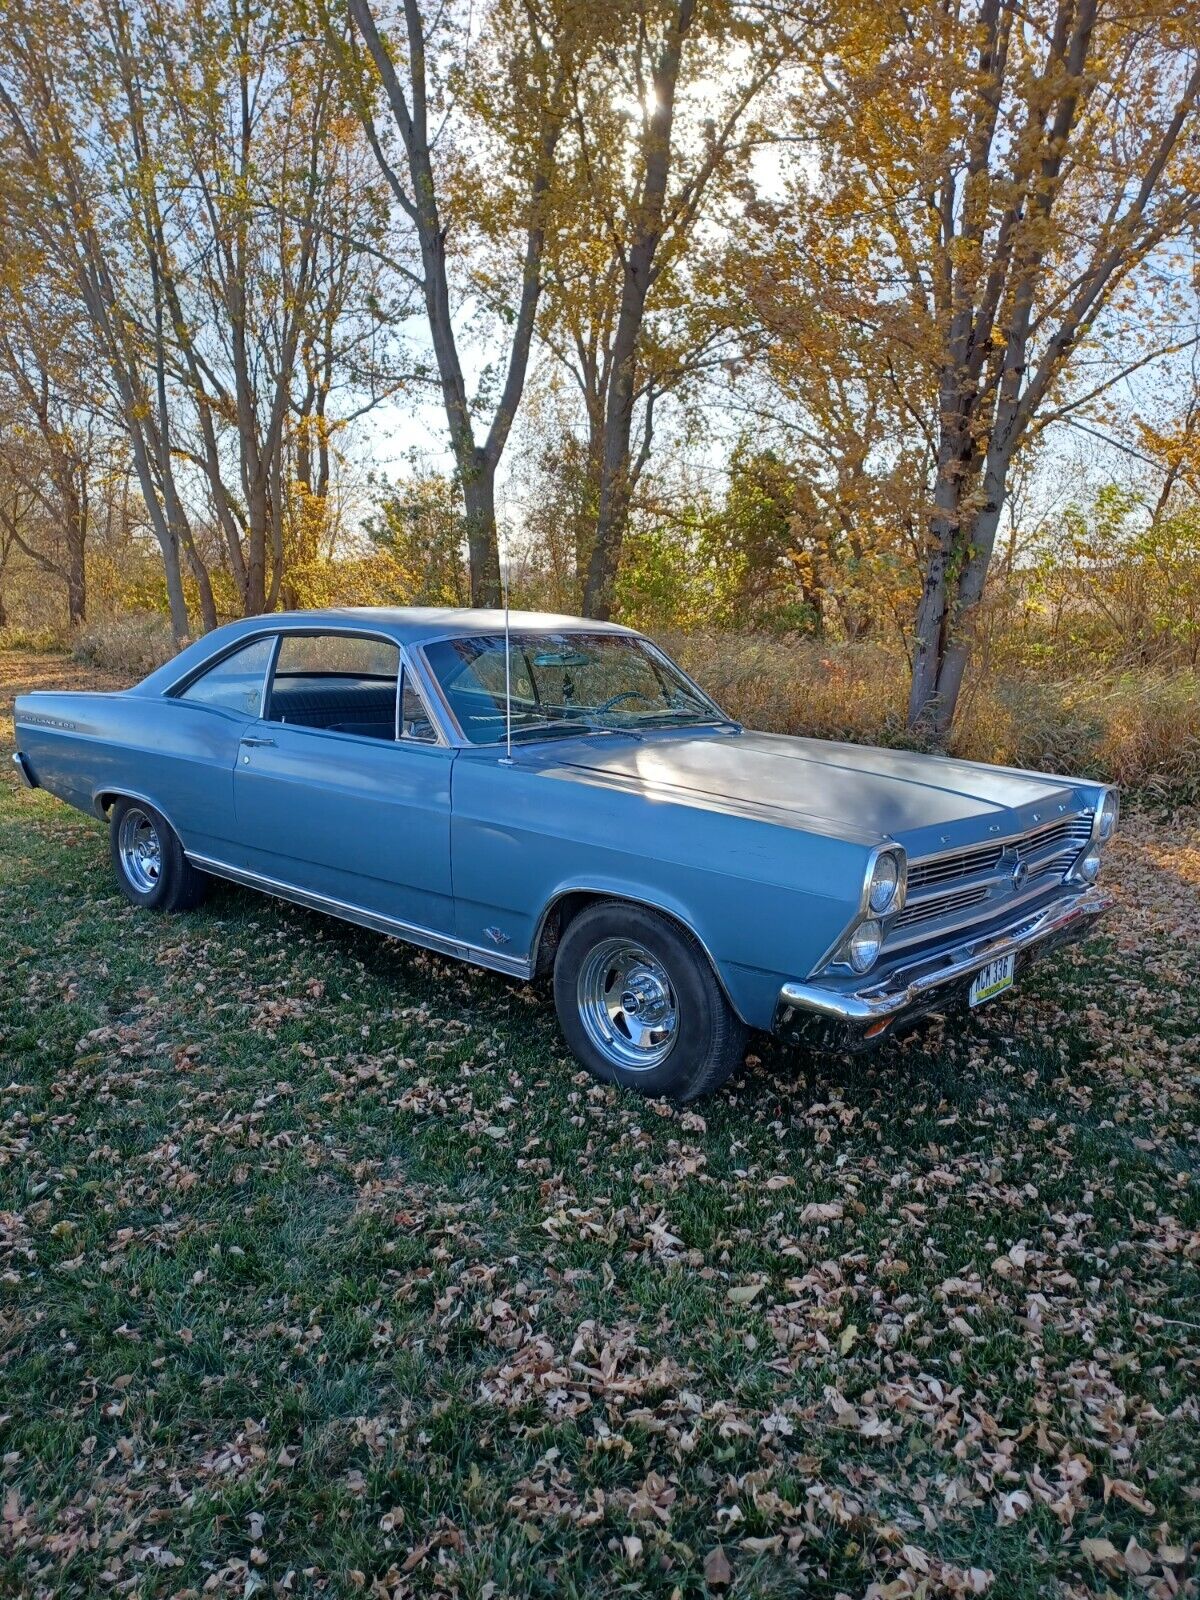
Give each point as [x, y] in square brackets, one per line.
[614, 700]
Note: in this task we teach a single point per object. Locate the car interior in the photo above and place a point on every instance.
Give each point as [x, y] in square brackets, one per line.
[343, 683]
[337, 702]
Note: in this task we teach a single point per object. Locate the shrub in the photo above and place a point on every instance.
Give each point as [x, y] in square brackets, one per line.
[49, 638]
[134, 642]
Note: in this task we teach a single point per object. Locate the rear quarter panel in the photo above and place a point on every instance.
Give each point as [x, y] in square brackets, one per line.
[180, 757]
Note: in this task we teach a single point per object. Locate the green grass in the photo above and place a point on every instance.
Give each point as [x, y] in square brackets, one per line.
[326, 1272]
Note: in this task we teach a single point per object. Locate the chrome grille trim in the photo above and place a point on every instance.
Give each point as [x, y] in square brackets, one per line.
[927, 871]
[941, 905]
[1074, 831]
[944, 869]
[964, 886]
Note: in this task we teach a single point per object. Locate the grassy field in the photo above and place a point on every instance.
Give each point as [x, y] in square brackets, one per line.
[325, 1272]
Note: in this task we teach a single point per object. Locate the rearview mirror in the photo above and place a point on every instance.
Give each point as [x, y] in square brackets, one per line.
[562, 658]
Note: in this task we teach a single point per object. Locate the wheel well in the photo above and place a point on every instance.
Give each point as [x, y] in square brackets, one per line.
[106, 799]
[555, 923]
[567, 907]
[103, 802]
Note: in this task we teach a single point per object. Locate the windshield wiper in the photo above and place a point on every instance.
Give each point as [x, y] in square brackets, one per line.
[569, 726]
[694, 719]
[557, 725]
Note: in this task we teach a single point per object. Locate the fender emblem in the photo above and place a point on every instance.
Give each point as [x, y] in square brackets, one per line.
[496, 935]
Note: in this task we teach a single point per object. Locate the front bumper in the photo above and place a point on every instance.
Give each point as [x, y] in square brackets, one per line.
[810, 1013]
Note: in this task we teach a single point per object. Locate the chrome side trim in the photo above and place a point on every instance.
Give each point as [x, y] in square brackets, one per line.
[899, 991]
[23, 772]
[411, 933]
[132, 794]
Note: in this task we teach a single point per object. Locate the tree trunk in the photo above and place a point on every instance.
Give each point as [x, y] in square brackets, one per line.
[613, 511]
[937, 591]
[587, 512]
[978, 545]
[615, 474]
[76, 587]
[479, 496]
[164, 532]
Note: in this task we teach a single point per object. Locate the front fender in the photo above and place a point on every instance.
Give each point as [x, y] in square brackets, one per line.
[766, 901]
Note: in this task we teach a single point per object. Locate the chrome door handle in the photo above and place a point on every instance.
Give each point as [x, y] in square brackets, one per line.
[248, 740]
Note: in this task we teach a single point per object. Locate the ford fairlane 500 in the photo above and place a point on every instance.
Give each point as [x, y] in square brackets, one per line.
[571, 803]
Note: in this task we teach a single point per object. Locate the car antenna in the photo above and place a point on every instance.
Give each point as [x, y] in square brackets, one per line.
[506, 758]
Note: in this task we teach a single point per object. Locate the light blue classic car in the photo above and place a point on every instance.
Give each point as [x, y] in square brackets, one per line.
[569, 802]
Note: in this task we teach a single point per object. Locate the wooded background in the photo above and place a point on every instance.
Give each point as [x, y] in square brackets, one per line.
[853, 322]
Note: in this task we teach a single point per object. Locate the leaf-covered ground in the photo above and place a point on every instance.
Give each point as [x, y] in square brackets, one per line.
[325, 1272]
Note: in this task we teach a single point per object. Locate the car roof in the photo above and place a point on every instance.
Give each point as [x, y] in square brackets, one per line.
[421, 624]
[418, 624]
[408, 625]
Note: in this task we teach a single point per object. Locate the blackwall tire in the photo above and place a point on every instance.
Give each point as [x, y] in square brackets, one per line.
[640, 1005]
[151, 868]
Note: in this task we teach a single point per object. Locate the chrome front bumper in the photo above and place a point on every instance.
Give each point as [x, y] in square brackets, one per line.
[932, 980]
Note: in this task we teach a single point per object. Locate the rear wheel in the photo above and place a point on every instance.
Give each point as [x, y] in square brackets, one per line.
[148, 859]
[640, 1005]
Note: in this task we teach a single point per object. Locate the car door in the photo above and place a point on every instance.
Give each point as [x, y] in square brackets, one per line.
[191, 744]
[360, 819]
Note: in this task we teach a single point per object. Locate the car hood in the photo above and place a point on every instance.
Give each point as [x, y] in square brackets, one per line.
[851, 791]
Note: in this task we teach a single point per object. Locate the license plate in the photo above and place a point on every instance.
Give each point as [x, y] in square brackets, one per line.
[992, 980]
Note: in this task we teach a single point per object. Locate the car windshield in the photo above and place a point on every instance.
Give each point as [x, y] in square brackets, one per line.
[562, 683]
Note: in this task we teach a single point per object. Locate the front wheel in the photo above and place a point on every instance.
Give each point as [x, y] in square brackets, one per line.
[148, 859]
[640, 1005]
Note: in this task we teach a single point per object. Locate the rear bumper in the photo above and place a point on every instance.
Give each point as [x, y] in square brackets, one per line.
[23, 770]
[844, 1019]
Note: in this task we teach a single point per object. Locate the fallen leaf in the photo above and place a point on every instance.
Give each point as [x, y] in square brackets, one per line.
[1099, 1550]
[718, 1574]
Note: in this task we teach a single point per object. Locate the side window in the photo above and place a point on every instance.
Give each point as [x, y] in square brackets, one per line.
[414, 719]
[236, 682]
[339, 682]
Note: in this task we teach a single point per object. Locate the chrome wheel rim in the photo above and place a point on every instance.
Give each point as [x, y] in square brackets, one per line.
[140, 850]
[627, 1005]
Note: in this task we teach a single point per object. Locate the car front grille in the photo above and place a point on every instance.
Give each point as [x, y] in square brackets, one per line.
[1070, 833]
[948, 869]
[947, 885]
[941, 905]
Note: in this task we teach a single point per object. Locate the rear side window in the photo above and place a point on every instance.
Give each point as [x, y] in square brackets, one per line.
[336, 655]
[236, 682]
[338, 682]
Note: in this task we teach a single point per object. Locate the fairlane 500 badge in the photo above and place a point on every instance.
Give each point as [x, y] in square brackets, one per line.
[29, 720]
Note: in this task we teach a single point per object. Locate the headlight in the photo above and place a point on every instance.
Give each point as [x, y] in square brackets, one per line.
[1088, 865]
[862, 947]
[1109, 810]
[884, 885]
